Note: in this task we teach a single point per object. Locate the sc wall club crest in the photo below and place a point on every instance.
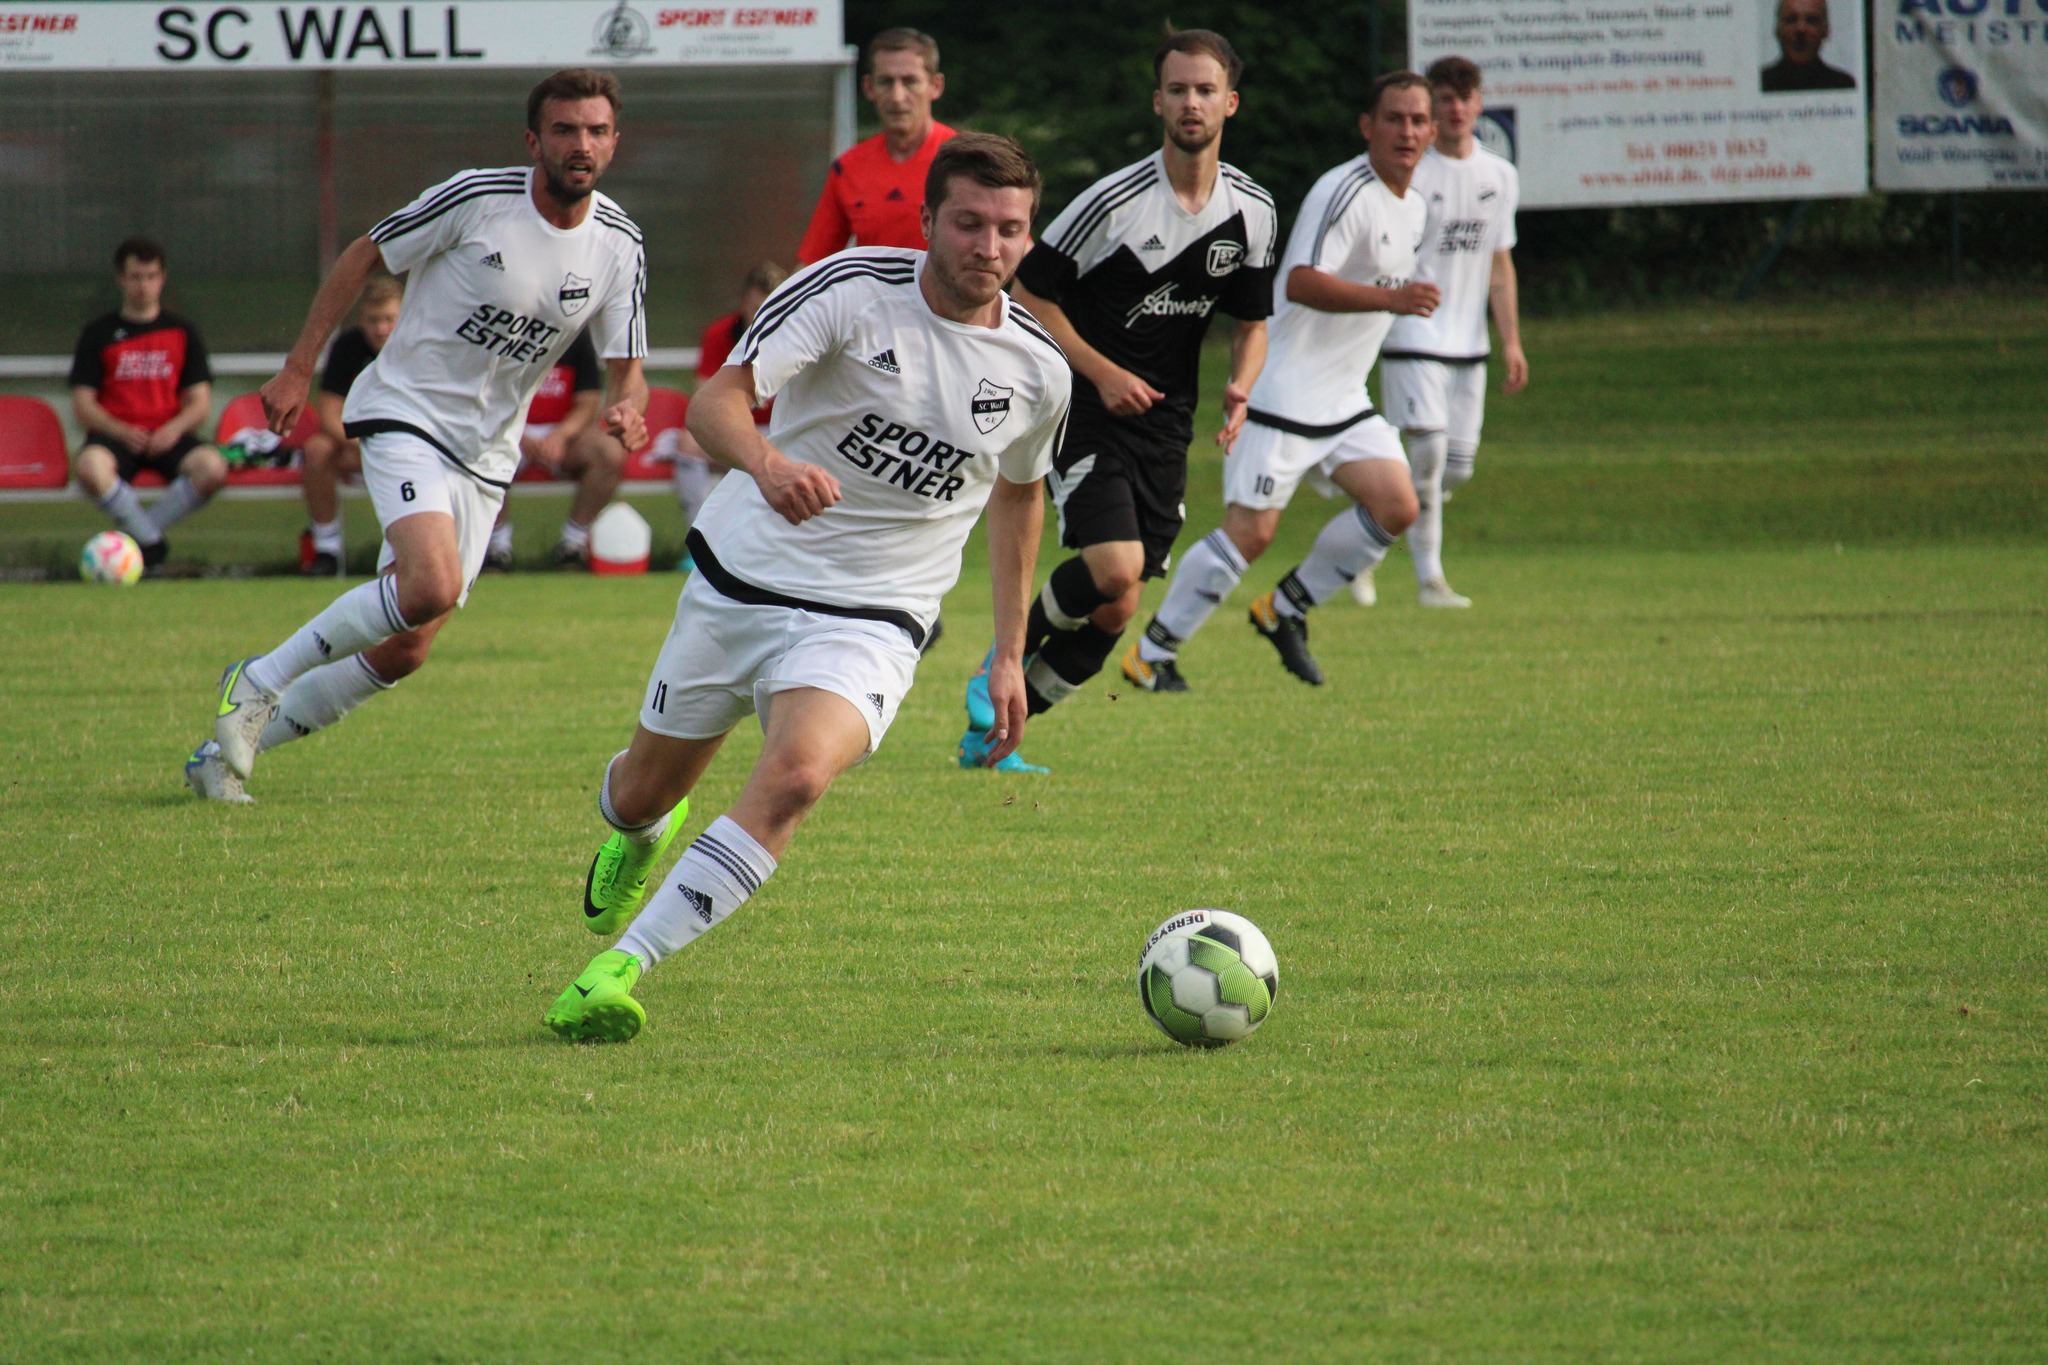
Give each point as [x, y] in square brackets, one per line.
[575, 293]
[990, 405]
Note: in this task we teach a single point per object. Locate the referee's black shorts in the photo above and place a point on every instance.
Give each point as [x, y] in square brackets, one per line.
[1114, 480]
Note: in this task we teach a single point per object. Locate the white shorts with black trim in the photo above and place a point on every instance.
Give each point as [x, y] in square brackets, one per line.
[1268, 463]
[724, 660]
[405, 474]
[1436, 395]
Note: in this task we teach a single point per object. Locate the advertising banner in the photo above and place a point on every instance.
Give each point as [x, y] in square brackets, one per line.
[121, 35]
[1663, 101]
[1962, 94]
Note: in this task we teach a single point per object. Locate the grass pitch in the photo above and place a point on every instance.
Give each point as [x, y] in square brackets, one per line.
[1661, 949]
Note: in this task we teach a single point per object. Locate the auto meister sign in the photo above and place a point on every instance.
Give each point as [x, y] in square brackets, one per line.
[1962, 94]
[481, 33]
[1663, 101]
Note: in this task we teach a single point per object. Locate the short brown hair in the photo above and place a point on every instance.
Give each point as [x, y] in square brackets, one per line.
[380, 289]
[988, 159]
[906, 40]
[766, 277]
[573, 83]
[1200, 42]
[1393, 80]
[142, 249]
[1458, 74]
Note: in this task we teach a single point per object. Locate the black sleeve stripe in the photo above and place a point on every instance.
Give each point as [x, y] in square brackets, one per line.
[403, 219]
[783, 303]
[381, 234]
[613, 218]
[454, 187]
[888, 272]
[1251, 187]
[1341, 196]
[1105, 197]
[1031, 326]
[1100, 212]
[1095, 193]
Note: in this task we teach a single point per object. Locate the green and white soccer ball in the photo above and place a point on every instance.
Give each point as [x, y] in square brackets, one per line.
[1208, 977]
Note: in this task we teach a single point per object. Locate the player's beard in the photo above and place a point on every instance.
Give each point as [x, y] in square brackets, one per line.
[566, 194]
[964, 288]
[1196, 146]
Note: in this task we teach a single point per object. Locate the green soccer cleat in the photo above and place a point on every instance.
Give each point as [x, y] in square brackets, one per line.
[617, 883]
[599, 1006]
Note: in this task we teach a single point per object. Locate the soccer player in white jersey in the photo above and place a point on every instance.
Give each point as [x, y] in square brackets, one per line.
[1433, 369]
[507, 266]
[1127, 279]
[909, 394]
[1345, 274]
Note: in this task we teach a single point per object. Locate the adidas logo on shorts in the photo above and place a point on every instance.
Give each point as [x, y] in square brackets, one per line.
[885, 361]
[1153, 243]
[495, 261]
[875, 700]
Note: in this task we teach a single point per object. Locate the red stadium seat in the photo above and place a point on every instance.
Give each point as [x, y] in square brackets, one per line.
[246, 412]
[32, 453]
[665, 410]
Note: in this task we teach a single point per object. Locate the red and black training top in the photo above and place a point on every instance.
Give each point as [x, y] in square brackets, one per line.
[138, 369]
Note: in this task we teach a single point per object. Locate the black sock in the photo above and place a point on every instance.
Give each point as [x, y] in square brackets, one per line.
[1074, 595]
[1068, 659]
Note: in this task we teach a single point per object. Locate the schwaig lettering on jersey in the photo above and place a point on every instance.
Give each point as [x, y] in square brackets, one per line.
[899, 454]
[512, 335]
[1161, 303]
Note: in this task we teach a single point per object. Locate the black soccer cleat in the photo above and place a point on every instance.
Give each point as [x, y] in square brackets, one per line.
[153, 557]
[1290, 637]
[1163, 676]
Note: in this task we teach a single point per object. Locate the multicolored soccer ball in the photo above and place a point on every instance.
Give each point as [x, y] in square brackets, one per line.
[110, 557]
[1208, 977]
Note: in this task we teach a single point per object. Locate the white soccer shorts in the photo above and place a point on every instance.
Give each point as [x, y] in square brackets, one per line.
[406, 475]
[1428, 395]
[1268, 463]
[724, 660]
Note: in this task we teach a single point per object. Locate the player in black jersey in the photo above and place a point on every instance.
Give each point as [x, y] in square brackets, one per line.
[1126, 280]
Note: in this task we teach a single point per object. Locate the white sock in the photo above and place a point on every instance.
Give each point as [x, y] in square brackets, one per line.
[501, 538]
[1459, 460]
[1426, 451]
[713, 878]
[694, 481]
[575, 535]
[1208, 572]
[365, 615]
[120, 503]
[327, 537]
[649, 833]
[179, 501]
[1349, 544]
[321, 698]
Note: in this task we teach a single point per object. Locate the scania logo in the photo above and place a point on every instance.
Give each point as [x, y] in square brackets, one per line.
[1957, 87]
[1949, 125]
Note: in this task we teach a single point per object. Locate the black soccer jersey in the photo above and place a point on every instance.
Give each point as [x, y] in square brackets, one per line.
[1139, 277]
[348, 357]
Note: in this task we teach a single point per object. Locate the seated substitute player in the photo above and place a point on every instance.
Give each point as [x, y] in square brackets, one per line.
[1126, 280]
[1433, 369]
[141, 388]
[330, 452]
[695, 475]
[912, 393]
[563, 437]
[1345, 274]
[507, 265]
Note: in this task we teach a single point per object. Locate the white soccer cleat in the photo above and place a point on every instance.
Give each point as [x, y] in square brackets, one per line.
[245, 709]
[210, 778]
[1362, 590]
[1437, 593]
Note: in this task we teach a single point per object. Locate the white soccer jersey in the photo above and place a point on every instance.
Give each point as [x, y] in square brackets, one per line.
[1471, 205]
[497, 294]
[1316, 362]
[913, 414]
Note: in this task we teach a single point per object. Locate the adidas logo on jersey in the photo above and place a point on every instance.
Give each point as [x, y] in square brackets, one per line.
[1153, 243]
[894, 196]
[495, 261]
[885, 361]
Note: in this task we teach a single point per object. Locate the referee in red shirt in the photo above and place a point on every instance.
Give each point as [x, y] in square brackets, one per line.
[874, 195]
[876, 189]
